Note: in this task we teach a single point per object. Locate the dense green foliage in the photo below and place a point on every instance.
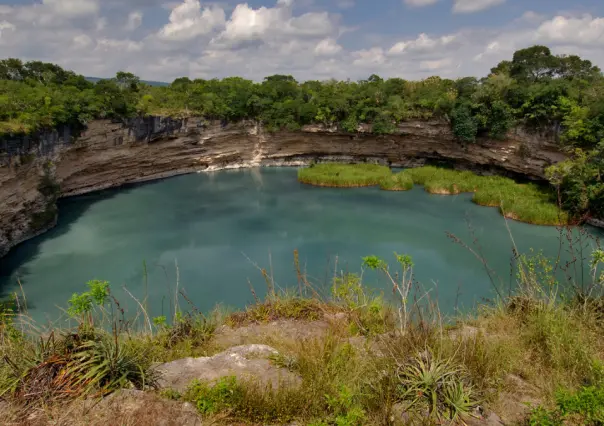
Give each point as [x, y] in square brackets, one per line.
[536, 89]
[525, 202]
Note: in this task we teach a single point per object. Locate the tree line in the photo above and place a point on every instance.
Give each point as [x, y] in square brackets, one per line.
[536, 89]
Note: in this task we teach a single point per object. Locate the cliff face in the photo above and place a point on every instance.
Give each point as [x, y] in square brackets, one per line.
[111, 154]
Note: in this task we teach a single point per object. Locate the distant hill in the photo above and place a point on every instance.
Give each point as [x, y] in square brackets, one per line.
[150, 83]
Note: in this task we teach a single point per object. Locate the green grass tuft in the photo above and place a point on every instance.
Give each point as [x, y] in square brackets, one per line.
[397, 182]
[343, 175]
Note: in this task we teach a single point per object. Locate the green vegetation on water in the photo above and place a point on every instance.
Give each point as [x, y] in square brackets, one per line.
[397, 182]
[526, 202]
[344, 175]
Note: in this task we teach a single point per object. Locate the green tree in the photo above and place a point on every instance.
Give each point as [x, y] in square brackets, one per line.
[502, 68]
[127, 81]
[534, 64]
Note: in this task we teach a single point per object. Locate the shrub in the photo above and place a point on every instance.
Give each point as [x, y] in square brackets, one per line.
[464, 125]
[584, 407]
[367, 314]
[345, 410]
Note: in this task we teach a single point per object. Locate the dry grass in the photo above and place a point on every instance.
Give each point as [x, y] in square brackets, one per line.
[278, 308]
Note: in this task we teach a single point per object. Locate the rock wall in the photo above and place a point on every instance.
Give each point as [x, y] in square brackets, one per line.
[108, 154]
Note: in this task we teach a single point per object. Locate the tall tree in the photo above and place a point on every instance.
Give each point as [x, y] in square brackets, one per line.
[534, 64]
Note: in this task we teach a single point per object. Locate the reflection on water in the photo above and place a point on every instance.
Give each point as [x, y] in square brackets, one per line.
[216, 226]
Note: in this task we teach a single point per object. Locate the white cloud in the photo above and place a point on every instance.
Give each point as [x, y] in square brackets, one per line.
[250, 24]
[188, 20]
[135, 19]
[423, 43]
[268, 24]
[369, 57]
[531, 17]
[5, 27]
[115, 46]
[435, 65]
[82, 41]
[419, 3]
[327, 47]
[199, 39]
[101, 23]
[72, 8]
[345, 4]
[471, 6]
[585, 30]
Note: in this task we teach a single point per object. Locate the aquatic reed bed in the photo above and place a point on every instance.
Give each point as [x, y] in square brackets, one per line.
[397, 182]
[525, 202]
[343, 175]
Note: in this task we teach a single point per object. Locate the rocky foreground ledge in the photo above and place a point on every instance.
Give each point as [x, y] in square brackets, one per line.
[249, 358]
[109, 154]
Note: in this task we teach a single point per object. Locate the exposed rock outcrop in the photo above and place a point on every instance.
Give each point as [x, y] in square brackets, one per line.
[111, 154]
[27, 201]
[249, 362]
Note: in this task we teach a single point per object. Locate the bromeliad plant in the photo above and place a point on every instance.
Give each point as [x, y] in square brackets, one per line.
[430, 382]
[105, 364]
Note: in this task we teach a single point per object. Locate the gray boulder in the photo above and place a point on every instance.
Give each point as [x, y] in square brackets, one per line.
[248, 362]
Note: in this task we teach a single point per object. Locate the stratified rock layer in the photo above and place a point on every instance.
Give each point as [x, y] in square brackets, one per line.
[111, 154]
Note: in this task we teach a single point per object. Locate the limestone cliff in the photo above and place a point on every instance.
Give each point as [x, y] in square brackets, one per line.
[110, 154]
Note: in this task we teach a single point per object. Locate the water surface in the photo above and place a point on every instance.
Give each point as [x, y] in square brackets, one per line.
[218, 228]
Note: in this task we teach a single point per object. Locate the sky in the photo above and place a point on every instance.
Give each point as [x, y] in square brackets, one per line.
[309, 39]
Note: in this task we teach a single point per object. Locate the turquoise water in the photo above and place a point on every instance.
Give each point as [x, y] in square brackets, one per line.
[218, 228]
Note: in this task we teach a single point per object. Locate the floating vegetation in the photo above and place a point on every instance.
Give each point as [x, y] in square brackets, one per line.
[525, 202]
[397, 182]
[344, 175]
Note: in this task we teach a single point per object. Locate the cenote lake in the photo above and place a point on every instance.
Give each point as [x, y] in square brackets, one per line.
[220, 227]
